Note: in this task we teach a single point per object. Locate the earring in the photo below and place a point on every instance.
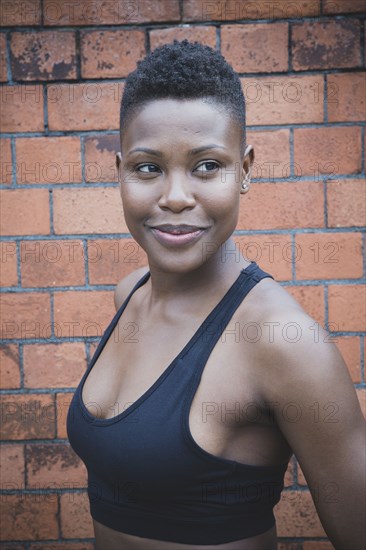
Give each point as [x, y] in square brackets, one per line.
[245, 185]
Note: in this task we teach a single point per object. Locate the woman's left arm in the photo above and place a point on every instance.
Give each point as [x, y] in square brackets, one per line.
[317, 410]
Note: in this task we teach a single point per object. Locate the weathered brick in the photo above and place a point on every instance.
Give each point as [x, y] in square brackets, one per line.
[12, 466]
[111, 54]
[100, 158]
[271, 153]
[21, 108]
[349, 346]
[204, 35]
[83, 313]
[361, 396]
[296, 516]
[52, 263]
[271, 252]
[54, 365]
[282, 205]
[328, 151]
[5, 161]
[28, 416]
[88, 211]
[317, 545]
[326, 44]
[111, 260]
[222, 10]
[29, 517]
[257, 48]
[311, 299]
[48, 160]
[62, 406]
[3, 63]
[54, 466]
[9, 366]
[283, 99]
[84, 106]
[343, 209]
[105, 12]
[8, 264]
[24, 201]
[346, 97]
[343, 6]
[329, 256]
[62, 546]
[25, 315]
[347, 307]
[75, 516]
[20, 12]
[289, 474]
[43, 55]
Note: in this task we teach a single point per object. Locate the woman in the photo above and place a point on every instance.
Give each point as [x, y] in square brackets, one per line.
[184, 418]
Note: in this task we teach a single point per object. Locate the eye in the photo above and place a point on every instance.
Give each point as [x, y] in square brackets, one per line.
[139, 166]
[211, 163]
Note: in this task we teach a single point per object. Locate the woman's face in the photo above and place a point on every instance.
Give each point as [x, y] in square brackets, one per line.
[171, 183]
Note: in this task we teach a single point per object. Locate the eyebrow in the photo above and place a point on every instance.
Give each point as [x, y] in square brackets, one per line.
[191, 152]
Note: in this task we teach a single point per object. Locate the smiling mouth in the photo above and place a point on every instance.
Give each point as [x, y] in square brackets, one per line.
[177, 229]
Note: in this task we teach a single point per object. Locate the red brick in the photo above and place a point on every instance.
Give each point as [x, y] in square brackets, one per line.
[43, 55]
[25, 315]
[28, 416]
[258, 48]
[29, 516]
[88, 211]
[317, 545]
[343, 208]
[48, 160]
[282, 205]
[110, 260]
[343, 6]
[62, 546]
[221, 10]
[329, 256]
[12, 467]
[289, 546]
[272, 153]
[75, 516]
[204, 35]
[20, 12]
[54, 365]
[361, 396]
[283, 99]
[21, 108]
[300, 476]
[346, 97]
[3, 64]
[62, 406]
[83, 313]
[289, 474]
[327, 150]
[9, 367]
[269, 251]
[100, 158]
[52, 263]
[349, 346]
[347, 307]
[311, 299]
[326, 44]
[5, 161]
[8, 265]
[105, 12]
[84, 106]
[24, 201]
[111, 54]
[54, 466]
[296, 516]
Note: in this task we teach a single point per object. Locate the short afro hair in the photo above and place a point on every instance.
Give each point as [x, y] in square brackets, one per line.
[184, 70]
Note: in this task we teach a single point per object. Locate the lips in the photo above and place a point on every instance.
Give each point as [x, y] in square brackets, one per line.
[177, 229]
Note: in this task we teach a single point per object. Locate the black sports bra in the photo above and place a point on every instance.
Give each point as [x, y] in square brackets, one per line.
[146, 474]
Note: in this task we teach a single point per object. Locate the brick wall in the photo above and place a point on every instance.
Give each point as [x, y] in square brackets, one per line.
[65, 243]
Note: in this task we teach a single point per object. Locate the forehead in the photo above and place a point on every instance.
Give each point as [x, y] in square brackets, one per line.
[181, 122]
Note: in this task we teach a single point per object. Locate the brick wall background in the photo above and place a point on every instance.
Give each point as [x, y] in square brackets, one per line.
[65, 244]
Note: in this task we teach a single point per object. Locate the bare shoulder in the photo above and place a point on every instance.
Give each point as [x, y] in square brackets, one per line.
[126, 284]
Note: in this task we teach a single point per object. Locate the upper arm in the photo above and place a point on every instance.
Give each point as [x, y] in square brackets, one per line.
[317, 410]
[126, 284]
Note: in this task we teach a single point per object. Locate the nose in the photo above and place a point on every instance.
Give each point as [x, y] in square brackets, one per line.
[177, 194]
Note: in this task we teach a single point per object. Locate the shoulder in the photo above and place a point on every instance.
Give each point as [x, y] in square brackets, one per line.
[126, 284]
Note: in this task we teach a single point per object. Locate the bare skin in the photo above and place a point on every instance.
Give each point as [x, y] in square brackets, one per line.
[276, 368]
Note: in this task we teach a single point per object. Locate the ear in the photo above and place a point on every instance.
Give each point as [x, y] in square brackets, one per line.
[119, 165]
[247, 169]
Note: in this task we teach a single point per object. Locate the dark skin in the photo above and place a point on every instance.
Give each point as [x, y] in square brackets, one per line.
[177, 187]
